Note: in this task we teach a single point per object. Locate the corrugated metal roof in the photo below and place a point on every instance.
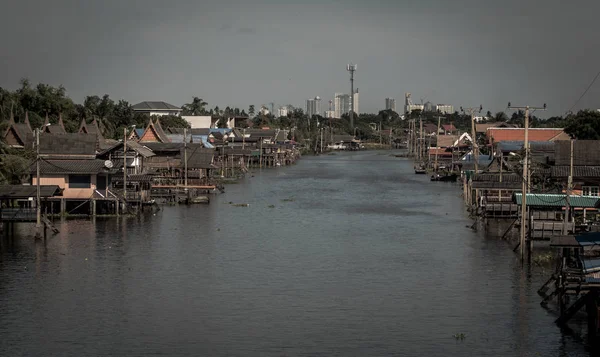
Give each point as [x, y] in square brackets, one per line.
[557, 200]
[26, 191]
[68, 144]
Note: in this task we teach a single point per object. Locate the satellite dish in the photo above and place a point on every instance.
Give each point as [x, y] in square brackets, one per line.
[108, 164]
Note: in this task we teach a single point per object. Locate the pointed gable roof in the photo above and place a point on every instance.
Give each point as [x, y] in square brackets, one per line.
[154, 133]
[19, 134]
[93, 128]
[59, 128]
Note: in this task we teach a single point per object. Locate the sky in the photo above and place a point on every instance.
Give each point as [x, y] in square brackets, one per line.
[241, 52]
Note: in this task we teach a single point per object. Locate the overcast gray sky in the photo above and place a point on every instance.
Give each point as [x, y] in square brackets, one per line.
[236, 52]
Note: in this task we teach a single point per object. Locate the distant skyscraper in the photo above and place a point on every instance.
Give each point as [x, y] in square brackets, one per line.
[355, 102]
[444, 108]
[341, 104]
[390, 103]
[313, 106]
[283, 111]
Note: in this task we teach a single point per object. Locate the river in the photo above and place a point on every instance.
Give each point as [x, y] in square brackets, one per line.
[349, 254]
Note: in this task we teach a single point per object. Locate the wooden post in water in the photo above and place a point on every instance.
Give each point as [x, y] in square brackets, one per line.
[420, 139]
[437, 144]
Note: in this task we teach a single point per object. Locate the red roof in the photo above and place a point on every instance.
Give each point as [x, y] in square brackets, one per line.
[518, 134]
[440, 152]
[449, 127]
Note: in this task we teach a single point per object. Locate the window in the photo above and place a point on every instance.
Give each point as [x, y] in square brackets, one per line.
[590, 190]
[80, 181]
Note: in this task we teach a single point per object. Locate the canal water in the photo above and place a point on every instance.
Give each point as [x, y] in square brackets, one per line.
[349, 254]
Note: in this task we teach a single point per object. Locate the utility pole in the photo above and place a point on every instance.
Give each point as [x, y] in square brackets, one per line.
[38, 208]
[525, 176]
[390, 138]
[475, 147]
[437, 144]
[38, 199]
[125, 164]
[244, 140]
[379, 132]
[351, 68]
[185, 160]
[569, 188]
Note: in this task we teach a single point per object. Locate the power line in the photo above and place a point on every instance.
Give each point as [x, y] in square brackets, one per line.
[584, 93]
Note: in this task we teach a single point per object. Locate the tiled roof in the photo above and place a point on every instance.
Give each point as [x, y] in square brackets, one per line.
[504, 185]
[24, 133]
[578, 171]
[449, 127]
[26, 191]
[518, 134]
[199, 158]
[140, 149]
[506, 177]
[557, 200]
[428, 128]
[68, 144]
[585, 152]
[440, 152]
[148, 106]
[93, 166]
[157, 147]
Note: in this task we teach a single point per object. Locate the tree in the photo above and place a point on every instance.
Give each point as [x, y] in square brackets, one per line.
[585, 125]
[171, 121]
[251, 110]
[196, 107]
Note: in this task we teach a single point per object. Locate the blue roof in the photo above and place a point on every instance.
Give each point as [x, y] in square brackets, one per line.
[510, 145]
[202, 139]
[221, 130]
[482, 159]
[139, 132]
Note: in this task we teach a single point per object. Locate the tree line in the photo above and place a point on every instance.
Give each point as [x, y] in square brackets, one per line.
[41, 100]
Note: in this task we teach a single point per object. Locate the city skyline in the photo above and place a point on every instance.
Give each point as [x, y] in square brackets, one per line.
[272, 54]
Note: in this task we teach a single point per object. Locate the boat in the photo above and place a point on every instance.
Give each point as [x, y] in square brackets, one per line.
[420, 170]
[447, 177]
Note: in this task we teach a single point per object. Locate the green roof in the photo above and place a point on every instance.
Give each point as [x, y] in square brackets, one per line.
[557, 200]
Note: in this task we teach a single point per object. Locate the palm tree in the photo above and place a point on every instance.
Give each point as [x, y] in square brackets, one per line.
[196, 107]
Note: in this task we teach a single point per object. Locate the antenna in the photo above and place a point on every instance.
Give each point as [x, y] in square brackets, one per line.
[351, 68]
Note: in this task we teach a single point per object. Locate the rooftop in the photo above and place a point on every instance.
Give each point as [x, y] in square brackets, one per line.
[155, 106]
[518, 134]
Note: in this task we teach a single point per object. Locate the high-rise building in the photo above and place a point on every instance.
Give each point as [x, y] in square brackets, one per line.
[355, 102]
[341, 104]
[444, 109]
[313, 106]
[330, 114]
[283, 111]
[390, 104]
